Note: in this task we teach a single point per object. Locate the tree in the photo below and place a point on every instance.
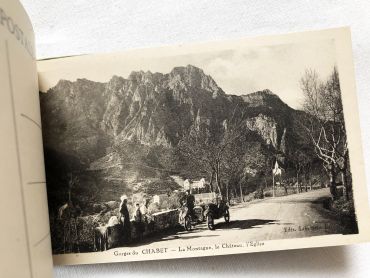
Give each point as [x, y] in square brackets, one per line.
[325, 125]
[233, 166]
[259, 162]
[302, 161]
[214, 152]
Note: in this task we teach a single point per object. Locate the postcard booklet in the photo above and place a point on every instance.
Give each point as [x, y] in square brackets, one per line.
[192, 150]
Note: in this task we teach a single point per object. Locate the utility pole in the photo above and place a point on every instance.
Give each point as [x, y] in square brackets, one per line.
[273, 184]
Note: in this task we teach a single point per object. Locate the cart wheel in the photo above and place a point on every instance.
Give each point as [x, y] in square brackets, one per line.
[187, 223]
[227, 216]
[210, 222]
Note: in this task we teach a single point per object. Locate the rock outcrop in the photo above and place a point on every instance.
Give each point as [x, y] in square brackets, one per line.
[90, 120]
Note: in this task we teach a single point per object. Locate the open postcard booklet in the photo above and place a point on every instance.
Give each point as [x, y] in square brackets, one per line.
[194, 150]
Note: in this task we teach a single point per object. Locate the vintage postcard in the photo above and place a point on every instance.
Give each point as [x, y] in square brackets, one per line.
[205, 149]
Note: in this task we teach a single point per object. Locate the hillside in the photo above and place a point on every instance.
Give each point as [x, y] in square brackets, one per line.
[123, 134]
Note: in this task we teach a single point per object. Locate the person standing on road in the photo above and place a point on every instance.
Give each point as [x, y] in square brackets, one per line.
[189, 201]
[125, 219]
[139, 223]
[145, 211]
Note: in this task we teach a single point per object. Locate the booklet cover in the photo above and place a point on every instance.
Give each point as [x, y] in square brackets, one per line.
[181, 151]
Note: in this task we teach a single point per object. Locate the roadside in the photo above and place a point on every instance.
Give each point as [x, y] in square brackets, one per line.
[293, 216]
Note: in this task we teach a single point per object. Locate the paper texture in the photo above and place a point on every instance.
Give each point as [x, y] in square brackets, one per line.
[24, 237]
[69, 79]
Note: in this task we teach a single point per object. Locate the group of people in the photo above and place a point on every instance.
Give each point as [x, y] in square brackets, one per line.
[140, 217]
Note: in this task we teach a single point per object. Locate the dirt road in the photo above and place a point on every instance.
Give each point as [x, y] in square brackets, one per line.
[294, 216]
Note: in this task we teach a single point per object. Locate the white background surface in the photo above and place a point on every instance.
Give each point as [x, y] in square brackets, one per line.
[84, 26]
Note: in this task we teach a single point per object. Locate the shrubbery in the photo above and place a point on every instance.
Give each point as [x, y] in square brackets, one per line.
[258, 194]
[268, 194]
[345, 210]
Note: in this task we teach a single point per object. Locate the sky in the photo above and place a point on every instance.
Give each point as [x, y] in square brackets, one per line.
[240, 70]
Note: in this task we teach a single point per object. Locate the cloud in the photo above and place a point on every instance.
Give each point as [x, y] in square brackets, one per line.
[241, 70]
[278, 68]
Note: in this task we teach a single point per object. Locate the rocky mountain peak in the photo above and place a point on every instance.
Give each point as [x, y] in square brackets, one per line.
[136, 76]
[193, 77]
[116, 79]
[188, 70]
[264, 98]
[62, 85]
[156, 109]
[144, 77]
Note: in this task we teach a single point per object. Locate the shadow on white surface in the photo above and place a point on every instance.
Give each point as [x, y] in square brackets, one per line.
[72, 27]
[323, 262]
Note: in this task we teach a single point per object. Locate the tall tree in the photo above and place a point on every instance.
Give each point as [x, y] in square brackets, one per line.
[325, 125]
[213, 153]
[233, 164]
[302, 163]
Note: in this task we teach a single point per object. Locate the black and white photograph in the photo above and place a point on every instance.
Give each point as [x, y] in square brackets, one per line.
[198, 138]
[194, 151]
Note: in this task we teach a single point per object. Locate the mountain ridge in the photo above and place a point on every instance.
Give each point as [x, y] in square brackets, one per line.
[137, 76]
[140, 120]
[136, 107]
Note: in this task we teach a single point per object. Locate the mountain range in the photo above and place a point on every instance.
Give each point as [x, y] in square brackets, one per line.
[84, 122]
